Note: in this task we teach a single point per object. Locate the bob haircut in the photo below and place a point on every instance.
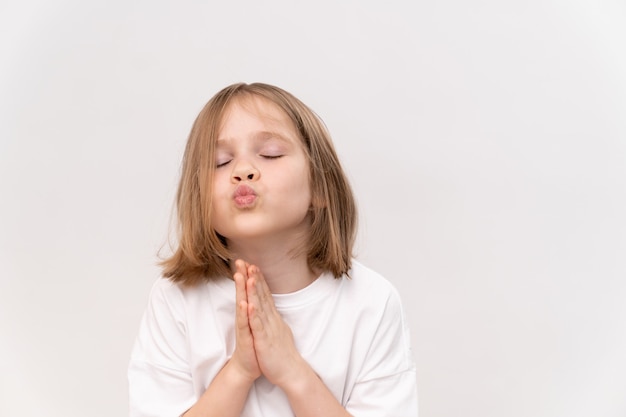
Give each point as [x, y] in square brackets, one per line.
[202, 254]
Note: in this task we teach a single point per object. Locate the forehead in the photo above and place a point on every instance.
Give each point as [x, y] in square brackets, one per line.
[251, 112]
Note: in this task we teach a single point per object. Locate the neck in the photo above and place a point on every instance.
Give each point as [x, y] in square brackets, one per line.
[284, 268]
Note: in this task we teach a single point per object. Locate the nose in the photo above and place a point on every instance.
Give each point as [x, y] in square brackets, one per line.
[245, 172]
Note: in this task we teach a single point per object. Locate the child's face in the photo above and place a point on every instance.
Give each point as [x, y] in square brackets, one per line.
[261, 183]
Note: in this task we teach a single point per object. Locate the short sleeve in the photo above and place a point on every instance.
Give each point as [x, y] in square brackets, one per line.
[159, 378]
[387, 382]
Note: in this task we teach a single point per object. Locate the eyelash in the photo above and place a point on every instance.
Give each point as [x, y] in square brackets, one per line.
[262, 156]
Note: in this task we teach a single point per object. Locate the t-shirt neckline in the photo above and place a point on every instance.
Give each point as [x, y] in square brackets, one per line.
[316, 290]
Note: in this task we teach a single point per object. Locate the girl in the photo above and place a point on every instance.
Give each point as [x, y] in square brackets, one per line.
[264, 312]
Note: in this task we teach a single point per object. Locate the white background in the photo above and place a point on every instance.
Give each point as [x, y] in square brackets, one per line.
[485, 140]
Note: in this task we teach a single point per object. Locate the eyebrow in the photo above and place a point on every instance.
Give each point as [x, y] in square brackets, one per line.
[262, 136]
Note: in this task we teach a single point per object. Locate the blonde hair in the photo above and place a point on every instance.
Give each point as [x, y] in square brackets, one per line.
[202, 253]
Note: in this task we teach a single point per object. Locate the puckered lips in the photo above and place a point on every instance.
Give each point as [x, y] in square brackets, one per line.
[244, 196]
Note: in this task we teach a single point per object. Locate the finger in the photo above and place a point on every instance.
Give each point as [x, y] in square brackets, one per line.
[262, 290]
[240, 288]
[256, 324]
[253, 295]
[241, 306]
[241, 267]
[240, 276]
[241, 320]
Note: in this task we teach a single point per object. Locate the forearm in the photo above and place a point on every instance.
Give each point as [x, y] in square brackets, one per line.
[225, 396]
[310, 397]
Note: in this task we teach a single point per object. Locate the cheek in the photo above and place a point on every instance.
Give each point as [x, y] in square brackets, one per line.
[219, 181]
[302, 189]
[218, 200]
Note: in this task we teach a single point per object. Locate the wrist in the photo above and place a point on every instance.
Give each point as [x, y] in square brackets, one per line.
[237, 375]
[298, 380]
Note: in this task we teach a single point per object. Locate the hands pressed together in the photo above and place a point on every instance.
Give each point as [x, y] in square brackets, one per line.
[264, 346]
[264, 342]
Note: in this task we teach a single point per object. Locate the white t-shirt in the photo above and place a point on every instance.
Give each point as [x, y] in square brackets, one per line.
[352, 331]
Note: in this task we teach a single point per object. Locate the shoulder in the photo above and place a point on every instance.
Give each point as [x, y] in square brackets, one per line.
[178, 298]
[372, 288]
[165, 291]
[366, 279]
[379, 314]
[165, 302]
[365, 273]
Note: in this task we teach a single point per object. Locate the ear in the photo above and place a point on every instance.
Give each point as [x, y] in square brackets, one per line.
[318, 201]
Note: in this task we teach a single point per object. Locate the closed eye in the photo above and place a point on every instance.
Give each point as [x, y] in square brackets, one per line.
[271, 156]
[221, 164]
